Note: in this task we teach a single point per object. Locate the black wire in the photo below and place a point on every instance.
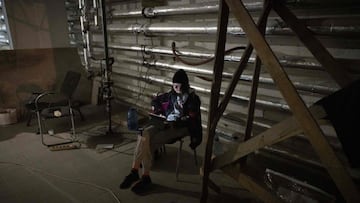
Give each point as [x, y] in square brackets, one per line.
[177, 56]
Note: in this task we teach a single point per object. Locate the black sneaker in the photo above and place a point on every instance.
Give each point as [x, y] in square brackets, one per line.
[143, 185]
[129, 180]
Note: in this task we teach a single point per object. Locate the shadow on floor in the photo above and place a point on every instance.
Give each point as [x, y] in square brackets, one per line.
[222, 197]
[167, 161]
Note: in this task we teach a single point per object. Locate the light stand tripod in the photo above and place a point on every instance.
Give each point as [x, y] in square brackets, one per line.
[106, 76]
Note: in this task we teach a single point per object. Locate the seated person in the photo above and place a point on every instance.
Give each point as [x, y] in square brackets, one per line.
[183, 108]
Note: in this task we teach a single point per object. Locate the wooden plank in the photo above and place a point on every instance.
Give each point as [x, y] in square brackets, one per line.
[243, 62]
[216, 112]
[230, 89]
[254, 88]
[314, 45]
[211, 183]
[297, 105]
[250, 184]
[280, 131]
[252, 103]
[277, 133]
[215, 94]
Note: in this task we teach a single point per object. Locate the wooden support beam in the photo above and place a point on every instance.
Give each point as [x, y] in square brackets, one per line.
[334, 68]
[211, 183]
[252, 103]
[215, 93]
[278, 132]
[297, 105]
[243, 62]
[254, 87]
[230, 89]
[251, 185]
[215, 112]
[214, 187]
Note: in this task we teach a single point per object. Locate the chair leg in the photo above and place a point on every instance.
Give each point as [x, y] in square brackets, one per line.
[80, 113]
[195, 158]
[40, 127]
[164, 149]
[72, 122]
[29, 118]
[178, 159]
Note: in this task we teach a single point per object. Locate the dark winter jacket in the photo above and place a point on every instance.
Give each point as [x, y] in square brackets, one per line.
[164, 104]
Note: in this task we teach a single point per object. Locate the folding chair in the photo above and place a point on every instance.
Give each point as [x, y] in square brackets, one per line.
[133, 125]
[57, 108]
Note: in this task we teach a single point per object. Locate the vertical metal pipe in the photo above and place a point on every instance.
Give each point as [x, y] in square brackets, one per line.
[84, 33]
[95, 6]
[107, 83]
[104, 29]
[88, 45]
[72, 120]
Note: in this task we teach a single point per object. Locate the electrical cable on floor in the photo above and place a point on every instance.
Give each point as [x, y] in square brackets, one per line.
[66, 179]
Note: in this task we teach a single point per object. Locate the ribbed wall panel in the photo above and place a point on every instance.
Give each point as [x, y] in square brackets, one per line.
[144, 63]
[5, 35]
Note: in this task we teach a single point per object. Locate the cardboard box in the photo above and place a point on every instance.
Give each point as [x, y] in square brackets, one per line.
[8, 116]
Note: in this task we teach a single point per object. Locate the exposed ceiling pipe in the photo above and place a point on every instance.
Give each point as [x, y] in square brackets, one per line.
[167, 51]
[208, 72]
[3, 37]
[301, 86]
[168, 82]
[198, 8]
[171, 28]
[190, 53]
[95, 12]
[3, 27]
[84, 26]
[202, 28]
[147, 49]
[4, 42]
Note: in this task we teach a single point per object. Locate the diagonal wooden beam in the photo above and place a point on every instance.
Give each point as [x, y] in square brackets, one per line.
[314, 45]
[215, 112]
[243, 62]
[252, 103]
[254, 88]
[250, 184]
[230, 89]
[297, 105]
[278, 132]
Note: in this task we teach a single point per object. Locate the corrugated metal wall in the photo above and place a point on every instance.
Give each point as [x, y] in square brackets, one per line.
[140, 40]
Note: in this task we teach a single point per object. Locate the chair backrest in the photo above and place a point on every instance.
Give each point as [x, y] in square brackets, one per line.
[70, 83]
[24, 92]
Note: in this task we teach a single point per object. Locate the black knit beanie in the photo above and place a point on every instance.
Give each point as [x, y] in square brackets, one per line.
[181, 77]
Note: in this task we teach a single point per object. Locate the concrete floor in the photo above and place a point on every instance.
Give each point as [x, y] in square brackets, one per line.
[30, 172]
